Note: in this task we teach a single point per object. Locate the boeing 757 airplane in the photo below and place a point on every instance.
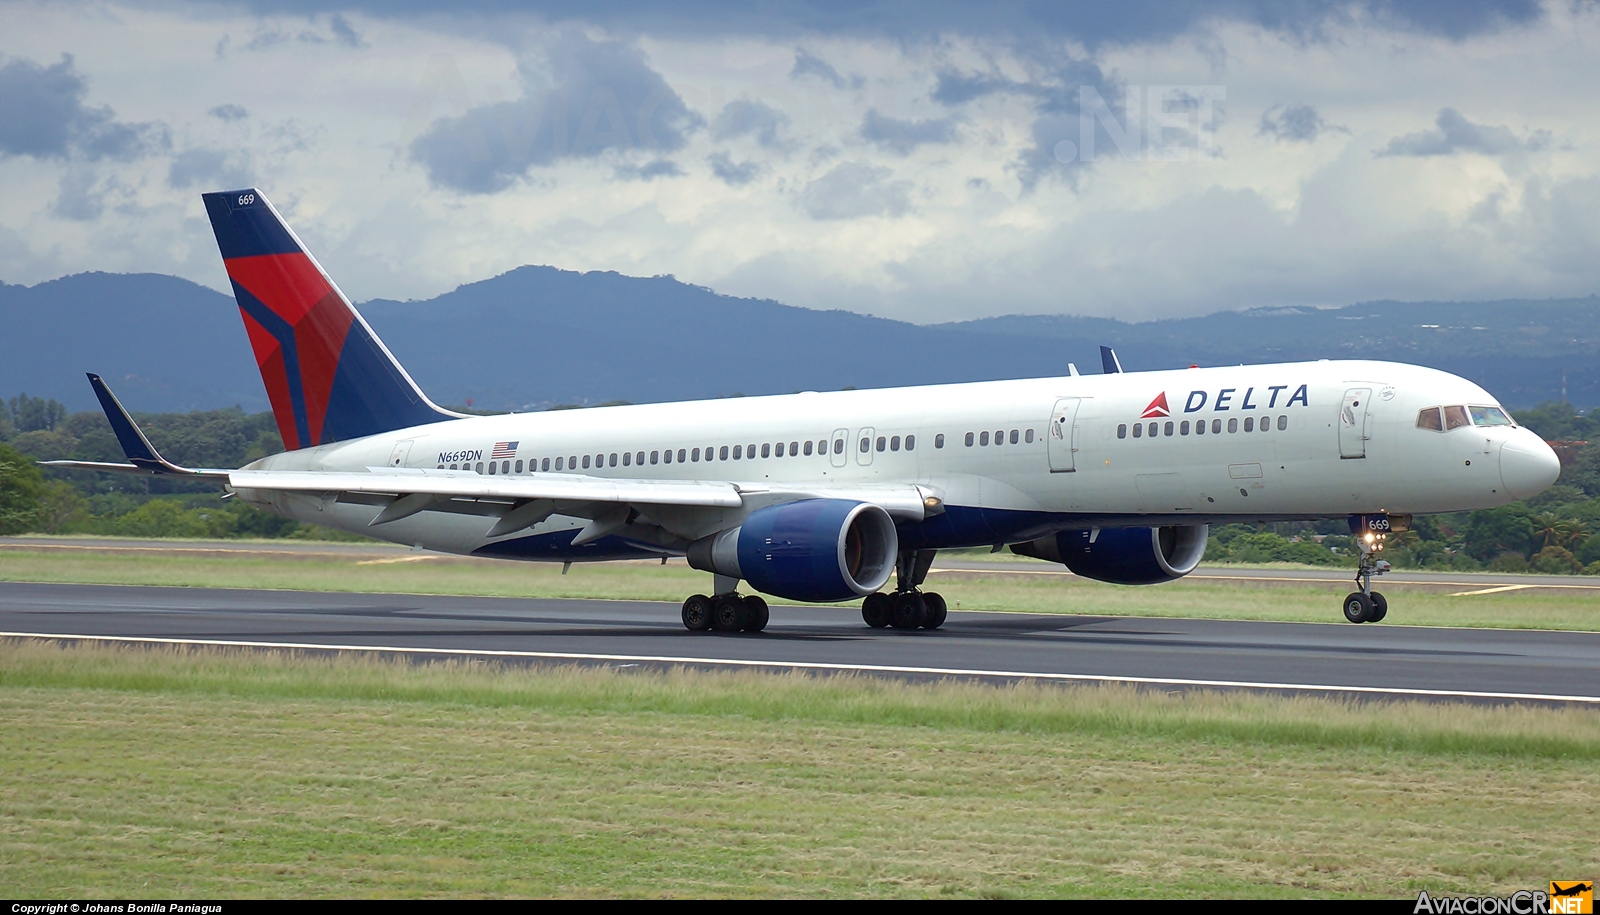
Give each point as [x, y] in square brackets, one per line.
[821, 497]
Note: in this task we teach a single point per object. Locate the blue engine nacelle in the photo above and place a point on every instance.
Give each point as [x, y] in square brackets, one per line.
[812, 550]
[1124, 556]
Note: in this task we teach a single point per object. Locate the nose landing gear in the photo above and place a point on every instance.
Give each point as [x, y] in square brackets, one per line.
[1367, 605]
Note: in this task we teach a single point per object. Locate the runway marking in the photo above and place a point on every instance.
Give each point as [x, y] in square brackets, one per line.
[380, 562]
[1194, 577]
[1492, 590]
[813, 665]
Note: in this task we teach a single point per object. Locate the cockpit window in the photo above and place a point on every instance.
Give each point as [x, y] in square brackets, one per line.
[1429, 419]
[1455, 418]
[1489, 416]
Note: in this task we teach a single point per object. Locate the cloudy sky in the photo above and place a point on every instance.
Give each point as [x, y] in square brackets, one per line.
[926, 161]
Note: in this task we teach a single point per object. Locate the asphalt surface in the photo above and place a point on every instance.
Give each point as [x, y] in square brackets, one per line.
[1464, 664]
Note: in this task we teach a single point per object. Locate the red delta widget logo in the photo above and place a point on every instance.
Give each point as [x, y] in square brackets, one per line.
[1229, 399]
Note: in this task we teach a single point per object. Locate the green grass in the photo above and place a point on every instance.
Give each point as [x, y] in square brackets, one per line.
[162, 772]
[417, 573]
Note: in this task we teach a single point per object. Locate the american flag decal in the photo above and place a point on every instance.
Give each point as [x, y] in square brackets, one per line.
[504, 450]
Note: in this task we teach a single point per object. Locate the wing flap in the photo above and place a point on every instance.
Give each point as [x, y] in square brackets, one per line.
[447, 484]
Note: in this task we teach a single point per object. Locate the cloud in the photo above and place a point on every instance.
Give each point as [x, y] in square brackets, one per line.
[211, 168]
[596, 97]
[42, 115]
[808, 64]
[730, 172]
[904, 136]
[856, 189]
[660, 168]
[1300, 123]
[229, 113]
[343, 33]
[1457, 134]
[743, 117]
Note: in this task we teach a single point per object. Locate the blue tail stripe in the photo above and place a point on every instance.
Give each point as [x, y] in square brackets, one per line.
[369, 393]
[284, 334]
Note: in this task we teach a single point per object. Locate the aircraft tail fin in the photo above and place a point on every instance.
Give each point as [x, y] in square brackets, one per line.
[328, 376]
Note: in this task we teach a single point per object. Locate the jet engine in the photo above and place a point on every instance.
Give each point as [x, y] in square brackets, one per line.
[1124, 556]
[811, 550]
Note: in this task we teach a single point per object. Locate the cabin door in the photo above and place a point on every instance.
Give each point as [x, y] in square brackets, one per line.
[1062, 438]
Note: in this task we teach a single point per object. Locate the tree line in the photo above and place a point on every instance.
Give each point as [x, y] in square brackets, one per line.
[1557, 531]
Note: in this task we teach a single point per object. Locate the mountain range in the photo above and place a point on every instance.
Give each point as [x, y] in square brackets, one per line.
[539, 336]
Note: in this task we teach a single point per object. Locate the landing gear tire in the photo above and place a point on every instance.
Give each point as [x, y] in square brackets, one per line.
[909, 610]
[1380, 608]
[728, 613]
[755, 614]
[877, 610]
[1358, 607]
[697, 613]
[936, 610]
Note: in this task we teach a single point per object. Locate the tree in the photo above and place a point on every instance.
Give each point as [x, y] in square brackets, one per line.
[30, 414]
[1491, 533]
[20, 487]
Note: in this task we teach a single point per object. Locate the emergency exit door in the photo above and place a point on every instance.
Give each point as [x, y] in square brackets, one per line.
[1355, 423]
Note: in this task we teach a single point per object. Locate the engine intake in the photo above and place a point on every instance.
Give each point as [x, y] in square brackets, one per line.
[812, 550]
[1124, 556]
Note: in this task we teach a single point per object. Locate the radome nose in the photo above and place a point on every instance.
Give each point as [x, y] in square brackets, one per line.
[1527, 465]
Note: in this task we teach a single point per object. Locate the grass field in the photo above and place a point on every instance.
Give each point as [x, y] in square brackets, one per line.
[158, 772]
[420, 573]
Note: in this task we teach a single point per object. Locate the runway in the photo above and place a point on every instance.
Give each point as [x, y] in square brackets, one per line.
[1382, 660]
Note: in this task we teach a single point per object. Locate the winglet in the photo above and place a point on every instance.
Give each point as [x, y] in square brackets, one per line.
[141, 454]
[1108, 361]
[138, 448]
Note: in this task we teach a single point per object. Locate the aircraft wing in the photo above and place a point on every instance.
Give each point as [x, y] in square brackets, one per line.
[521, 501]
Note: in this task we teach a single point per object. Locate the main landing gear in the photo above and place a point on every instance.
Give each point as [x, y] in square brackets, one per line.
[908, 607]
[729, 612]
[1367, 605]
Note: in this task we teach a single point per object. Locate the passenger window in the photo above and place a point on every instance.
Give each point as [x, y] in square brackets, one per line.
[454, 467]
[1183, 428]
[1249, 424]
[911, 442]
[777, 452]
[1455, 418]
[969, 439]
[1152, 429]
[1000, 437]
[561, 463]
[722, 453]
[505, 466]
[493, 465]
[1168, 429]
[894, 443]
[1138, 430]
[938, 441]
[882, 442]
[983, 439]
[613, 459]
[1233, 424]
[736, 450]
[838, 446]
[794, 449]
[546, 463]
[1028, 436]
[1014, 436]
[680, 455]
[808, 447]
[695, 455]
[1283, 422]
[866, 445]
[639, 459]
[586, 462]
[480, 467]
[1216, 427]
[519, 467]
[654, 456]
[1122, 430]
[750, 451]
[1200, 427]
[627, 458]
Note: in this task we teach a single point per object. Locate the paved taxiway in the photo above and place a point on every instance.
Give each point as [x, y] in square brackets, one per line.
[1392, 659]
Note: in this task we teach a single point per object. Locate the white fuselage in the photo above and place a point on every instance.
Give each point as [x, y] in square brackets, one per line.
[1288, 441]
